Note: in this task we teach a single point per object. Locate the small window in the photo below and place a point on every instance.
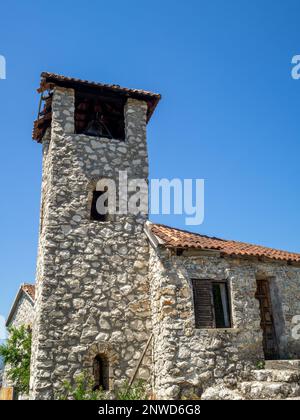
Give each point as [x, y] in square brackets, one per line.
[95, 215]
[211, 303]
[101, 373]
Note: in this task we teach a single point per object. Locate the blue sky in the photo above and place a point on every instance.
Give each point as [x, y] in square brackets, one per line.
[230, 111]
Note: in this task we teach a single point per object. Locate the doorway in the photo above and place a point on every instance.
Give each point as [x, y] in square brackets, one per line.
[270, 344]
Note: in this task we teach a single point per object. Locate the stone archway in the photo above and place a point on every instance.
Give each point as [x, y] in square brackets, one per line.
[106, 350]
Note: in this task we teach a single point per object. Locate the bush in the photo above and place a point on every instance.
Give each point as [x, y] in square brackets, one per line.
[16, 353]
[82, 389]
[260, 364]
[136, 392]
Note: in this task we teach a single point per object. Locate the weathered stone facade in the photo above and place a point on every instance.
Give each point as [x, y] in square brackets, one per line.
[92, 278]
[23, 313]
[104, 288]
[189, 360]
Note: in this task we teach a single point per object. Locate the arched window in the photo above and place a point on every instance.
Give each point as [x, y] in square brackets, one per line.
[95, 215]
[103, 201]
[101, 372]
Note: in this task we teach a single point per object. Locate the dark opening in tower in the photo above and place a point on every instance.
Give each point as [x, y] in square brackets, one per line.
[101, 373]
[95, 214]
[99, 116]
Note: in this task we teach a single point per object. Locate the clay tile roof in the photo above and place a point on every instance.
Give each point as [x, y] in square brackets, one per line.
[176, 238]
[151, 98]
[50, 80]
[29, 289]
[56, 78]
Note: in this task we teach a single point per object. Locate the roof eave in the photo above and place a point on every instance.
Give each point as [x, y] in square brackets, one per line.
[154, 240]
[15, 303]
[152, 99]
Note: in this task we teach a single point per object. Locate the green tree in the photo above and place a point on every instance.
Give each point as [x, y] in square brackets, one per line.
[16, 353]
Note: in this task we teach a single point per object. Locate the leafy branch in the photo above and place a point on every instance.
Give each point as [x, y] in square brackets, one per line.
[16, 353]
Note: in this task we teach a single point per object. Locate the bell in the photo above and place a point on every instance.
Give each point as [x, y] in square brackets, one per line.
[94, 128]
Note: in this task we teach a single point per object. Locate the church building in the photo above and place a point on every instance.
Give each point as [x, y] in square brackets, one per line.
[120, 298]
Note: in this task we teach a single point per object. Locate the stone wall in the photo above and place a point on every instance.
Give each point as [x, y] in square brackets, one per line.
[23, 313]
[92, 277]
[94, 294]
[189, 360]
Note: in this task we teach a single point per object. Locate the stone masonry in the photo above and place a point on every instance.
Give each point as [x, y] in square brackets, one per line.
[106, 287]
[187, 360]
[92, 278]
[23, 313]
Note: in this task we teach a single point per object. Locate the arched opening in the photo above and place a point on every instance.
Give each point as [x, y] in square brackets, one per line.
[95, 215]
[101, 373]
[102, 200]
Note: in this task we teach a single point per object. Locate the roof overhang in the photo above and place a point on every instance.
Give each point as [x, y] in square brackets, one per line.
[192, 243]
[50, 80]
[84, 87]
[21, 291]
[154, 240]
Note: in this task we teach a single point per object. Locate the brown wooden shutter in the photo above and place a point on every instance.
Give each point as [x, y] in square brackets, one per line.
[204, 317]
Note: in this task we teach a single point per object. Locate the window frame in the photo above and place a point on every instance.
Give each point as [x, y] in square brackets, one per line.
[212, 304]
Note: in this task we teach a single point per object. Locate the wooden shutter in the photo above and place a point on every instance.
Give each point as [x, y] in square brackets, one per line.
[204, 317]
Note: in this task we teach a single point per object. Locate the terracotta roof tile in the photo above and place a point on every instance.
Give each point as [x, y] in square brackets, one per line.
[176, 238]
[29, 289]
[58, 78]
[50, 80]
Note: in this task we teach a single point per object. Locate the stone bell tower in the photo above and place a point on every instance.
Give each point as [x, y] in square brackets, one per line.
[92, 310]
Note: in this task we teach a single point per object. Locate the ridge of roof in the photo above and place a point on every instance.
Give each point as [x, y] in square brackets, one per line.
[177, 238]
[50, 80]
[29, 290]
[48, 76]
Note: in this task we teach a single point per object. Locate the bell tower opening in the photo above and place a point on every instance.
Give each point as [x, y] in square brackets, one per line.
[99, 116]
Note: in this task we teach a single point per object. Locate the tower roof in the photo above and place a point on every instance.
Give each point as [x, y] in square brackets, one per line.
[50, 80]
